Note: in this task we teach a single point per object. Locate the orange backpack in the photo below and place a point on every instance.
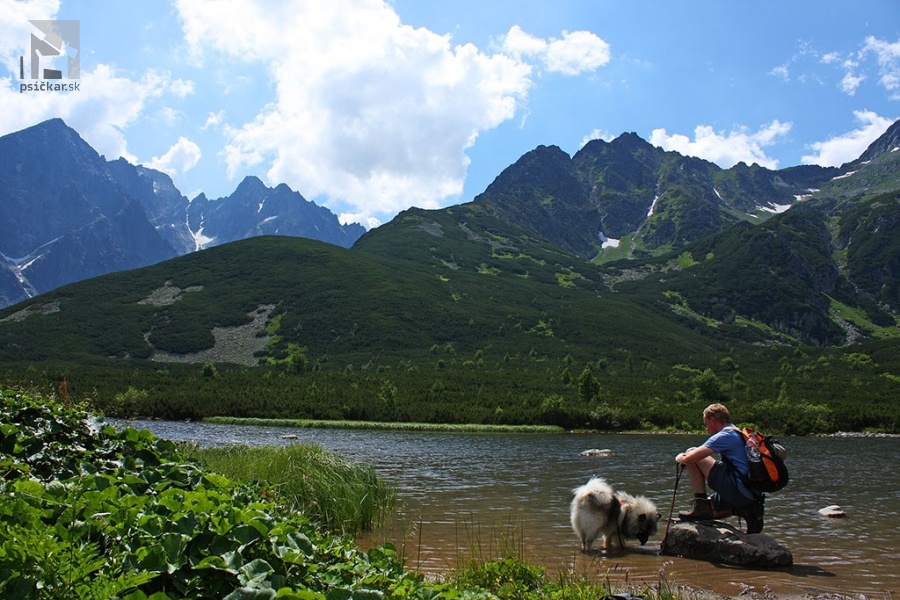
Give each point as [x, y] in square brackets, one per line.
[768, 472]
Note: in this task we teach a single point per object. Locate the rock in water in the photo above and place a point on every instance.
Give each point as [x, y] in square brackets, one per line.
[719, 542]
[834, 511]
[605, 452]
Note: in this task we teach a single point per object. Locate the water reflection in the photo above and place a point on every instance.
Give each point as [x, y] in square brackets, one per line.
[468, 494]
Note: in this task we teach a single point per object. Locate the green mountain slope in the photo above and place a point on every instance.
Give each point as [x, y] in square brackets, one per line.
[779, 274]
[349, 305]
[494, 326]
[869, 242]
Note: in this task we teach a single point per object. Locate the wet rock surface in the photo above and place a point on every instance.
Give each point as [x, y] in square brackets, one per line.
[719, 542]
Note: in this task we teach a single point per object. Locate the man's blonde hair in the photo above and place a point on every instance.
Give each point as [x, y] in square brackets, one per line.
[718, 412]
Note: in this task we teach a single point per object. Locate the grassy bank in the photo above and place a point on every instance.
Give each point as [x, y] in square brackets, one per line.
[337, 495]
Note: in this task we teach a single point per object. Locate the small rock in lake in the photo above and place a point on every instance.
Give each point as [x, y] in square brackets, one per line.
[289, 437]
[596, 452]
[834, 511]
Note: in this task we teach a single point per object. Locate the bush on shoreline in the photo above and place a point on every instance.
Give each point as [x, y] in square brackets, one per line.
[88, 512]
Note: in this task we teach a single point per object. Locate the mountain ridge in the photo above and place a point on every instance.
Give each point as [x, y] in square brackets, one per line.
[674, 211]
[680, 219]
[66, 214]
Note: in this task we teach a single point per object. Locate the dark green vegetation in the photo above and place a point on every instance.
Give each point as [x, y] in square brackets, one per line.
[106, 514]
[89, 512]
[506, 311]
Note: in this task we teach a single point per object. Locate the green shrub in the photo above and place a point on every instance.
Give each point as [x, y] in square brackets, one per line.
[87, 511]
[509, 578]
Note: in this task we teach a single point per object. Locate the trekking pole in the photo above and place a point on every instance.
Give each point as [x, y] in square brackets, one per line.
[679, 469]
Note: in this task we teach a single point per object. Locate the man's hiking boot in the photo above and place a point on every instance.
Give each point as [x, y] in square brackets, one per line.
[701, 510]
[753, 514]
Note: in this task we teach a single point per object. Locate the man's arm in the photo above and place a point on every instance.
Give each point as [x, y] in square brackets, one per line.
[694, 455]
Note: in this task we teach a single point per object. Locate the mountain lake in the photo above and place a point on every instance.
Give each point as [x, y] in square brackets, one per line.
[465, 495]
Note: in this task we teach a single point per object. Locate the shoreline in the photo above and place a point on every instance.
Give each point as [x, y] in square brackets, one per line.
[860, 434]
[468, 427]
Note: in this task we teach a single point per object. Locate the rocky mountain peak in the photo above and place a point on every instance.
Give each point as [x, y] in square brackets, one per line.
[251, 184]
[68, 214]
[889, 141]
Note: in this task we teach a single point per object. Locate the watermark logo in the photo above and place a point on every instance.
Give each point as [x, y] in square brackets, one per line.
[57, 38]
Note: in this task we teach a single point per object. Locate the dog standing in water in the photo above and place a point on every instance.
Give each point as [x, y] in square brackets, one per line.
[598, 510]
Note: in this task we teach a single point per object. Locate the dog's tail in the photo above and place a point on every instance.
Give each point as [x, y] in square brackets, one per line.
[603, 501]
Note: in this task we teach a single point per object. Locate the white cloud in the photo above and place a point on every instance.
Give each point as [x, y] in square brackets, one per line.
[726, 150]
[213, 119]
[179, 159]
[15, 30]
[888, 57]
[364, 220]
[848, 146]
[576, 53]
[371, 114]
[168, 115]
[597, 134]
[851, 82]
[181, 88]
[781, 72]
[100, 110]
[796, 67]
[520, 44]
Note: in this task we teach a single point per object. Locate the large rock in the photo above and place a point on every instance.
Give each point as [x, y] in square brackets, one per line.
[721, 543]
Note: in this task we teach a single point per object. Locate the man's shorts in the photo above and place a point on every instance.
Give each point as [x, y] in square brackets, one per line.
[724, 480]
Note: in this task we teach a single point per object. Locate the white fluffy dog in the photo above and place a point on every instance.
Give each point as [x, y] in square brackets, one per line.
[617, 516]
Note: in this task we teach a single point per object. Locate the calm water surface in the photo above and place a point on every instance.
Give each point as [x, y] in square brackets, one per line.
[461, 494]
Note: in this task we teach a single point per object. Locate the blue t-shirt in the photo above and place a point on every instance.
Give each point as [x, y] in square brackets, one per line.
[730, 446]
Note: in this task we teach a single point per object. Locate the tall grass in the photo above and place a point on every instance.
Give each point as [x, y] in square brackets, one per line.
[338, 495]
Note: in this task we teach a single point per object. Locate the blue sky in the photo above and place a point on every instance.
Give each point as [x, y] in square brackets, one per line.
[370, 107]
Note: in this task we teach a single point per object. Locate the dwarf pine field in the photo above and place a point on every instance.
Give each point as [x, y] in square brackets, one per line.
[507, 330]
[813, 392]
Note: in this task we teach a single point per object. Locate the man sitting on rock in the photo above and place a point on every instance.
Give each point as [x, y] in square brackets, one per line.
[724, 476]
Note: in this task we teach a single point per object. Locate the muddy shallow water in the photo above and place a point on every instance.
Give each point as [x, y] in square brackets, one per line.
[470, 494]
